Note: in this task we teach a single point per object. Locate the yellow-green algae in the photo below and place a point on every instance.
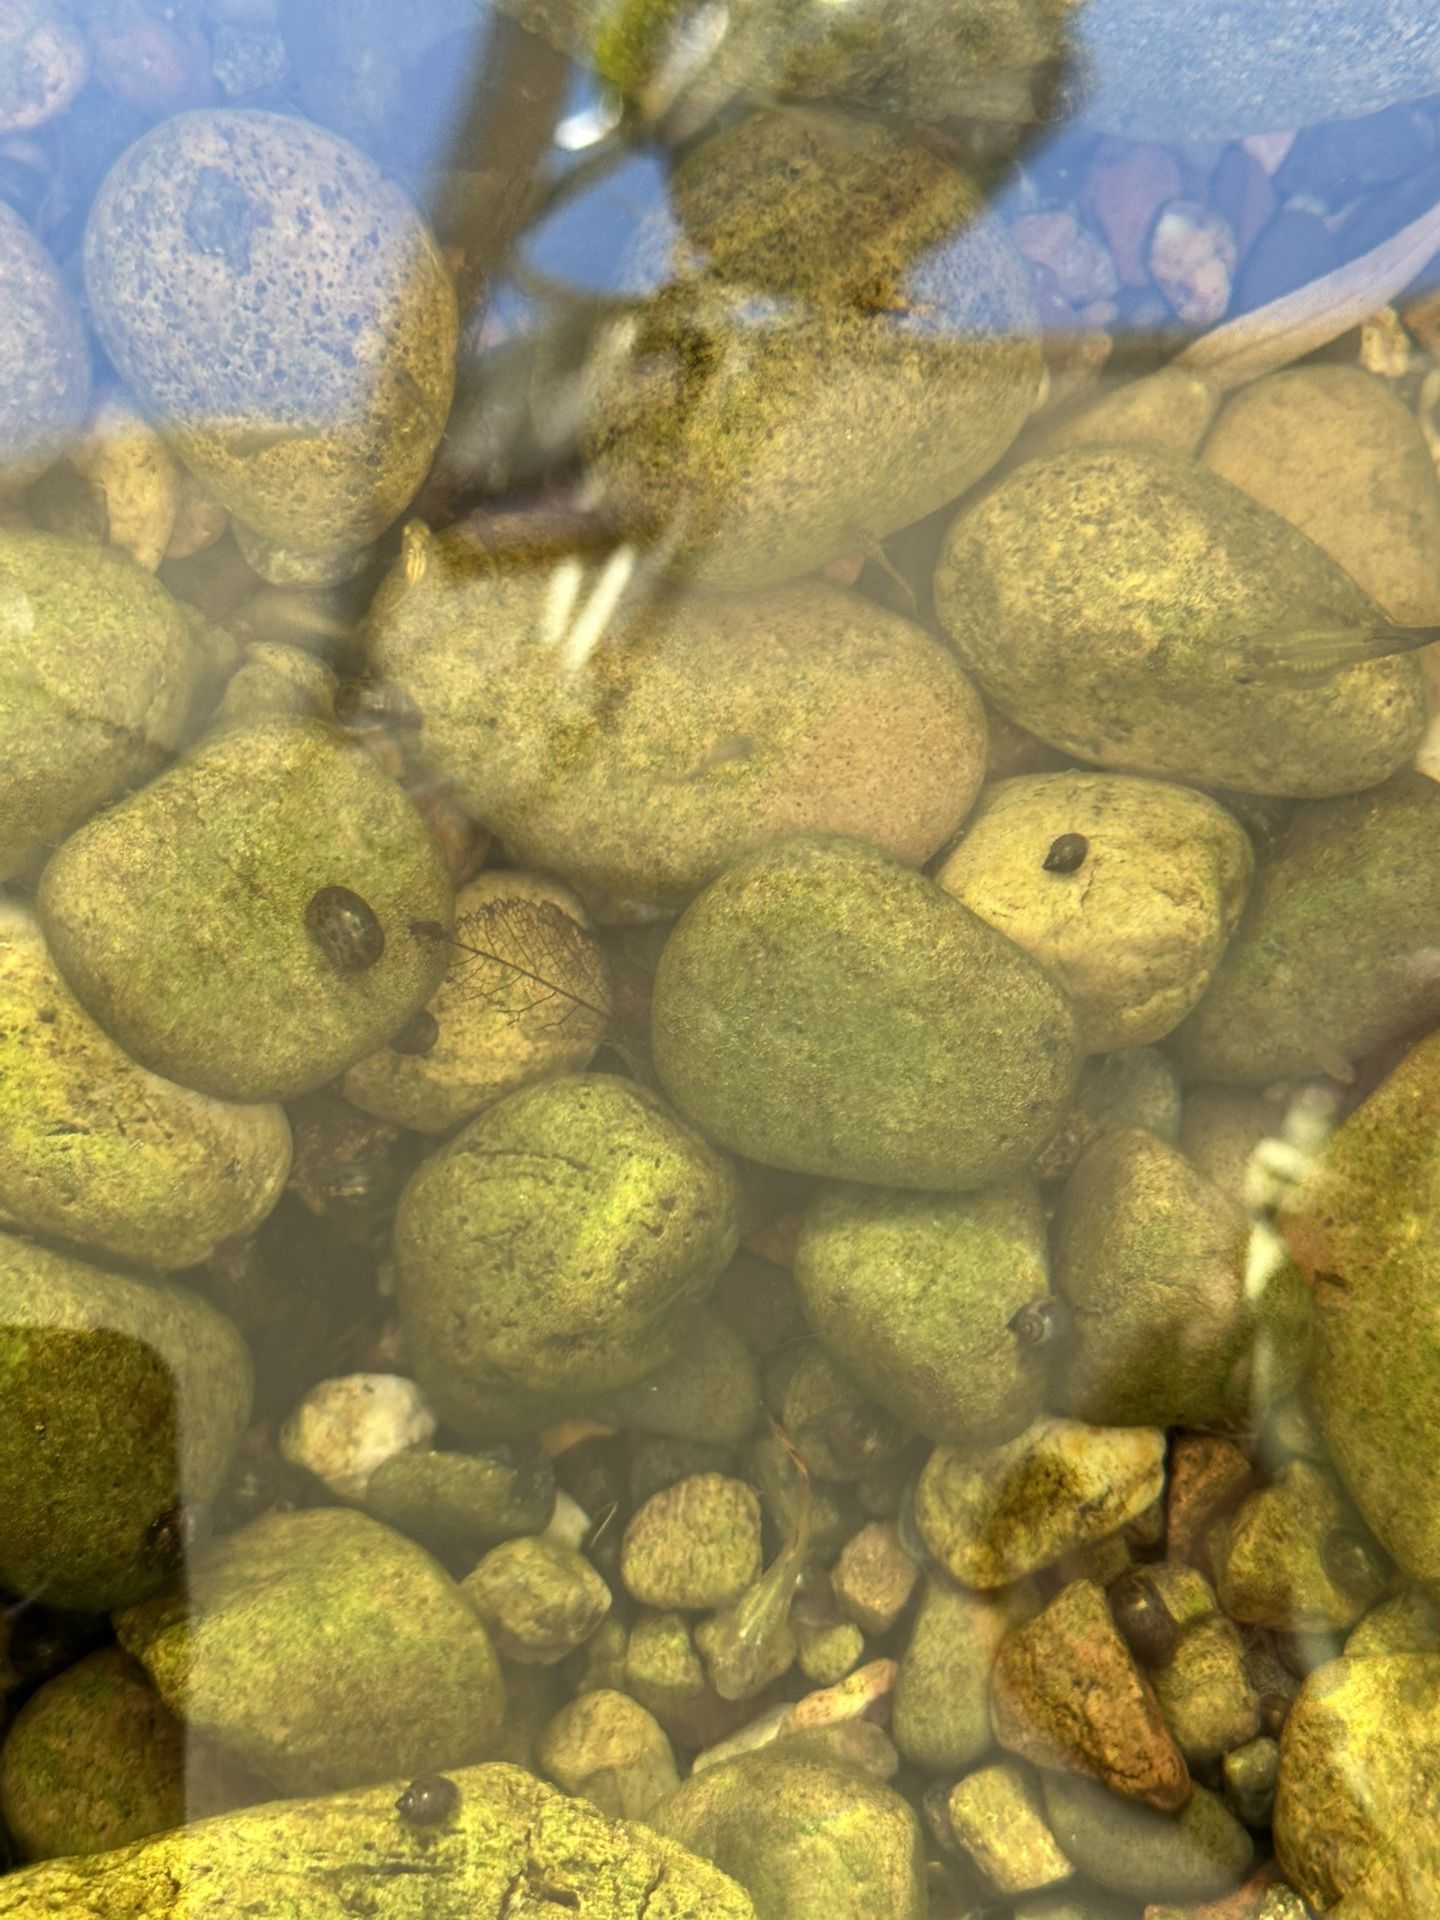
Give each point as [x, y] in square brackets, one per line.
[117, 1398]
[512, 1848]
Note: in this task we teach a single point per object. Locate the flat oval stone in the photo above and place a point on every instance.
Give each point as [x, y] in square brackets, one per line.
[824, 1009]
[179, 918]
[1103, 597]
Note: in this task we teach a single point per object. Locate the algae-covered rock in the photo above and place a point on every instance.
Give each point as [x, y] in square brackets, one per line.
[96, 1150]
[996, 1818]
[1336, 952]
[1131, 1087]
[261, 916]
[693, 1545]
[1109, 599]
[1221, 1129]
[119, 1400]
[1337, 453]
[777, 403]
[44, 357]
[1354, 1803]
[510, 1838]
[1153, 1262]
[989, 1517]
[1171, 409]
[93, 1760]
[941, 1714]
[554, 1249]
[700, 729]
[605, 1747]
[1355, 1798]
[925, 62]
[1125, 890]
[803, 1836]
[1196, 1854]
[527, 995]
[306, 387]
[824, 1009]
[539, 1599]
[709, 1393]
[1362, 1228]
[97, 673]
[460, 1503]
[307, 1645]
[1205, 1691]
[938, 1305]
[1288, 1557]
[274, 679]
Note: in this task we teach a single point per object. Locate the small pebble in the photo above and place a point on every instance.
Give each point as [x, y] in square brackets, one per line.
[1192, 257]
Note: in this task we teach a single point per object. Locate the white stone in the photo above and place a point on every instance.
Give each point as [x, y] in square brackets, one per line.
[347, 1427]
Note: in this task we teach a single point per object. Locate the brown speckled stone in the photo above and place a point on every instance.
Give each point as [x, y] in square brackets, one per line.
[1066, 1692]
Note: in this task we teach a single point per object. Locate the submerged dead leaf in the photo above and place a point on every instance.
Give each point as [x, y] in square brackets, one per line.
[531, 960]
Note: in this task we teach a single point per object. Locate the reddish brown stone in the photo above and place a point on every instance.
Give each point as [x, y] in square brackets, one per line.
[1242, 1904]
[1066, 1692]
[1240, 189]
[1206, 1473]
[1124, 190]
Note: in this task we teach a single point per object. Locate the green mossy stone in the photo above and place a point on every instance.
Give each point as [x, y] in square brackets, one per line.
[1134, 930]
[991, 1515]
[458, 1504]
[1099, 597]
[539, 1600]
[1405, 1622]
[44, 359]
[97, 673]
[321, 1650]
[94, 1760]
[97, 1151]
[941, 1716]
[605, 1747]
[803, 1837]
[1287, 1557]
[694, 1545]
[708, 1394]
[1362, 1229]
[823, 1009]
[1205, 1691]
[555, 1249]
[1359, 1770]
[351, 1853]
[702, 728]
[836, 1428]
[305, 387]
[774, 405]
[1220, 1128]
[118, 1399]
[273, 680]
[923, 63]
[1196, 1854]
[1334, 955]
[178, 918]
[916, 1296]
[1153, 1262]
[1132, 1087]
